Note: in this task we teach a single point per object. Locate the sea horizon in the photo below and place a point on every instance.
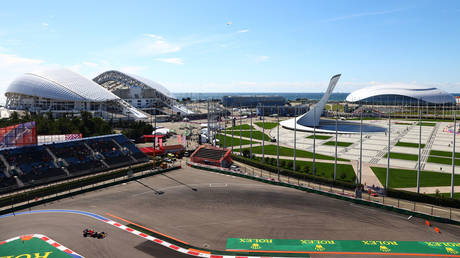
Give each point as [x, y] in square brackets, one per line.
[337, 96]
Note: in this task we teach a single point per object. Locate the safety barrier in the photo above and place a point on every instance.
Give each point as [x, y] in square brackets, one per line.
[329, 194]
[64, 190]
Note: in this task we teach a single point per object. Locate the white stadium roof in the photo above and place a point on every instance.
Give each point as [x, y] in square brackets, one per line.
[428, 94]
[120, 80]
[60, 84]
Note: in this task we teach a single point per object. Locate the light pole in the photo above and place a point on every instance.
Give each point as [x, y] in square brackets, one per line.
[361, 146]
[419, 147]
[295, 138]
[453, 156]
[387, 184]
[278, 144]
[336, 134]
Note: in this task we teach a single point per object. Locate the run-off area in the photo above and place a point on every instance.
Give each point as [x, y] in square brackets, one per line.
[222, 207]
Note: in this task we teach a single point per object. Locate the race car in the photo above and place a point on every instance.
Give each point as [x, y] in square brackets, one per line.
[94, 234]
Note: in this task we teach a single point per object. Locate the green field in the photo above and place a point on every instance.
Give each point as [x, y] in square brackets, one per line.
[256, 135]
[345, 172]
[266, 125]
[403, 123]
[289, 152]
[409, 144]
[405, 156]
[402, 178]
[340, 144]
[236, 140]
[442, 160]
[444, 154]
[243, 127]
[320, 137]
[427, 124]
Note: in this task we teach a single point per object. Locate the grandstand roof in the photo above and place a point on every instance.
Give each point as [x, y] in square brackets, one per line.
[115, 80]
[61, 84]
[429, 94]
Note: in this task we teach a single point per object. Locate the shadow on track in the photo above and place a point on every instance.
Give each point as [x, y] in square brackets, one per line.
[177, 181]
[151, 188]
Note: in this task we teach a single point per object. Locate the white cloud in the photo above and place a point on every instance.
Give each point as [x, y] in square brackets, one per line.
[90, 64]
[172, 60]
[7, 60]
[132, 69]
[44, 24]
[243, 31]
[152, 44]
[357, 15]
[261, 59]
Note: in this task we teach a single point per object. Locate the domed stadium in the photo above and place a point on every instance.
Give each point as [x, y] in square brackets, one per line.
[142, 93]
[62, 91]
[401, 94]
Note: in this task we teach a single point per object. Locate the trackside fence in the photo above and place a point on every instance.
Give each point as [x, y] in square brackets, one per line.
[420, 210]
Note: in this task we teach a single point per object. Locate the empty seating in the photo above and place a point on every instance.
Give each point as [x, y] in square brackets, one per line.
[34, 164]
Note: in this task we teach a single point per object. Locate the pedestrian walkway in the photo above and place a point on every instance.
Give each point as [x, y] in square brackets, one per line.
[429, 190]
[368, 177]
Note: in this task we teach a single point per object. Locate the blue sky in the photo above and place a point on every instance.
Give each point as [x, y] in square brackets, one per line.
[241, 46]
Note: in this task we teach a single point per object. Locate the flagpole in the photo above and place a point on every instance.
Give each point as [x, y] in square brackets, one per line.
[278, 144]
[387, 184]
[361, 145]
[336, 135]
[263, 134]
[250, 146]
[295, 138]
[453, 156]
[419, 146]
[314, 142]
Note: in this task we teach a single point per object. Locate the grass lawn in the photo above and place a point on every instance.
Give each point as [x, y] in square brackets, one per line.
[266, 125]
[345, 172]
[401, 178]
[447, 195]
[441, 160]
[403, 123]
[243, 127]
[340, 144]
[257, 135]
[320, 137]
[236, 140]
[285, 151]
[444, 154]
[409, 144]
[427, 124]
[405, 156]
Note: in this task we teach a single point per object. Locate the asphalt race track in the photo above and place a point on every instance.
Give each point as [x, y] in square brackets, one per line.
[221, 207]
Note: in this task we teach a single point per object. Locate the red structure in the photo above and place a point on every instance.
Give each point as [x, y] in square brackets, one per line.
[176, 148]
[18, 135]
[210, 155]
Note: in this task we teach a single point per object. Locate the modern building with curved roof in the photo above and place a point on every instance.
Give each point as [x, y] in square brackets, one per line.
[62, 91]
[140, 92]
[401, 94]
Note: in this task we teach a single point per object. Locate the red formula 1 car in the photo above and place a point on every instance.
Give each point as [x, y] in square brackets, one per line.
[94, 234]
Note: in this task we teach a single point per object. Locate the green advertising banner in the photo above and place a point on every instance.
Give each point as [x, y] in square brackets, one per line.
[451, 249]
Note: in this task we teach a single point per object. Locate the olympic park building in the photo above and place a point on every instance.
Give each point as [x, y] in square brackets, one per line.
[110, 94]
[401, 94]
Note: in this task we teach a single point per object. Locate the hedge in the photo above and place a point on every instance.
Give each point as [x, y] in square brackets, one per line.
[412, 196]
[294, 174]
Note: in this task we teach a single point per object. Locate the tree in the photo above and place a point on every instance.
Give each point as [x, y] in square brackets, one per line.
[289, 164]
[306, 169]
